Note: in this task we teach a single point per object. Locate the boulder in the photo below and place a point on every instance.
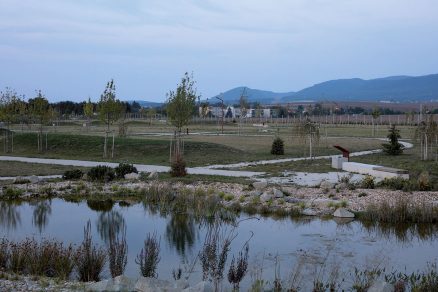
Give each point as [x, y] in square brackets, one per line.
[277, 193]
[153, 175]
[293, 200]
[265, 197]
[309, 212]
[326, 185]
[255, 193]
[132, 176]
[200, 287]
[381, 286]
[97, 286]
[121, 283]
[260, 185]
[33, 179]
[343, 213]
[144, 284]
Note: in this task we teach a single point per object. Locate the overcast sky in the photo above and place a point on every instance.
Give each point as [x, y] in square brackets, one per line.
[70, 49]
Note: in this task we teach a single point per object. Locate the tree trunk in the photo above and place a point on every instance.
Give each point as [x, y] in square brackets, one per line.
[112, 150]
[104, 145]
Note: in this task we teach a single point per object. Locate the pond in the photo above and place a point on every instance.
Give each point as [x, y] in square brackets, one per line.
[275, 244]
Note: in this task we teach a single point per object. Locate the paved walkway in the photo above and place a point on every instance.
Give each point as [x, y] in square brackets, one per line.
[204, 170]
[140, 167]
[275, 161]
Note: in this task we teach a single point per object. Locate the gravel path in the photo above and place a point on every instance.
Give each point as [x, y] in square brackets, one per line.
[140, 167]
[407, 145]
[203, 170]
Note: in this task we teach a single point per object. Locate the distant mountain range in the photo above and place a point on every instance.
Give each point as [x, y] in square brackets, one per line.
[393, 88]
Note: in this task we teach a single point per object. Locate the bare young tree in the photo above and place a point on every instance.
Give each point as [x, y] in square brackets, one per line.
[9, 112]
[109, 109]
[308, 130]
[427, 133]
[41, 113]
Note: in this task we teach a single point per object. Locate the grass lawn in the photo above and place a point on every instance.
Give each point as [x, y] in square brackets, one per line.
[316, 165]
[199, 150]
[15, 168]
[409, 160]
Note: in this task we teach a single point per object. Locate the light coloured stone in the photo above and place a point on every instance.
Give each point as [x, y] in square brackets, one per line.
[309, 212]
[277, 193]
[265, 197]
[97, 286]
[33, 179]
[381, 286]
[326, 185]
[260, 185]
[132, 176]
[144, 284]
[255, 193]
[293, 200]
[120, 283]
[343, 213]
[153, 175]
[200, 287]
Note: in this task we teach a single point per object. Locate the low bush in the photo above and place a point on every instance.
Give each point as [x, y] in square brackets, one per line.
[12, 193]
[178, 167]
[101, 173]
[125, 168]
[277, 147]
[368, 182]
[72, 174]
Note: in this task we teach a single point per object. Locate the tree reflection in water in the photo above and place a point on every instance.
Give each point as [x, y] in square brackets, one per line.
[9, 215]
[109, 225]
[41, 213]
[181, 232]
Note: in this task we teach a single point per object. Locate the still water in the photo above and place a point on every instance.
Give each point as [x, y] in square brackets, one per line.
[274, 243]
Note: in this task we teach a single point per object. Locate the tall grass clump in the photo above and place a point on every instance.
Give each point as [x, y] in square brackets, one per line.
[89, 259]
[400, 212]
[149, 256]
[117, 253]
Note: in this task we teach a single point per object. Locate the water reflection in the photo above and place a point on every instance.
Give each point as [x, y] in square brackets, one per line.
[181, 232]
[41, 212]
[9, 215]
[100, 205]
[110, 224]
[402, 232]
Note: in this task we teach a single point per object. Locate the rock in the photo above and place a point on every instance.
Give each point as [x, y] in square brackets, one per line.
[326, 185]
[260, 185]
[200, 287]
[132, 176]
[343, 213]
[293, 200]
[181, 284]
[265, 197]
[255, 193]
[97, 286]
[153, 175]
[33, 179]
[381, 286]
[309, 212]
[154, 285]
[277, 193]
[121, 283]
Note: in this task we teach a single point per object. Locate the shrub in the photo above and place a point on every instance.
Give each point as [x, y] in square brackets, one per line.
[12, 193]
[178, 167]
[72, 174]
[149, 256]
[125, 168]
[423, 181]
[393, 147]
[368, 182]
[89, 259]
[277, 146]
[101, 173]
